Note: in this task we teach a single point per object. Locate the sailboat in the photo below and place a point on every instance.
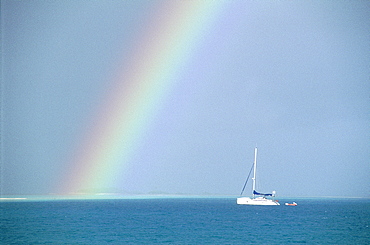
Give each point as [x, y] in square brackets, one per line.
[257, 198]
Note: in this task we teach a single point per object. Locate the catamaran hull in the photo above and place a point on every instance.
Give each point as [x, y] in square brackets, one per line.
[256, 201]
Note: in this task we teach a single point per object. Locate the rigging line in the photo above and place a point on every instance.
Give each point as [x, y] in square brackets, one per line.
[246, 181]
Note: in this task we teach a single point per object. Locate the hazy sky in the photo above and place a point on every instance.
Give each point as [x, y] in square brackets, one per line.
[291, 77]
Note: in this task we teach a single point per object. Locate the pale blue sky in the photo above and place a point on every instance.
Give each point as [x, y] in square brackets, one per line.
[289, 76]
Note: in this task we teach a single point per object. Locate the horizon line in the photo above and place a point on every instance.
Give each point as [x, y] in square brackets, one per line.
[120, 196]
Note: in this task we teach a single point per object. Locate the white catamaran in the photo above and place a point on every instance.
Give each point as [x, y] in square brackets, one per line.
[258, 198]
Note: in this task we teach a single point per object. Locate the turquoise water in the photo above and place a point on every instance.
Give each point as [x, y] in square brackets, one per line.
[184, 221]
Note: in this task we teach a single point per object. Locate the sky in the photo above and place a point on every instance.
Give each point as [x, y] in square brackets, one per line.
[172, 97]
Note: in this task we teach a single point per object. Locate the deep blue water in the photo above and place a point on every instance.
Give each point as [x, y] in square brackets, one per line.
[184, 221]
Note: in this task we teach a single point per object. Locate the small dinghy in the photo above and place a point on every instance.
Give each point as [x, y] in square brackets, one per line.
[291, 204]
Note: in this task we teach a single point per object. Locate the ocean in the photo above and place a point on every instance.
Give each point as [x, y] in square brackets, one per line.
[184, 221]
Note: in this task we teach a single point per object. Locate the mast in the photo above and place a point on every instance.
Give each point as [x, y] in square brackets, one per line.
[254, 171]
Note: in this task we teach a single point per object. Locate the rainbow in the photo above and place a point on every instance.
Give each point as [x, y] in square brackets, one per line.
[140, 89]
